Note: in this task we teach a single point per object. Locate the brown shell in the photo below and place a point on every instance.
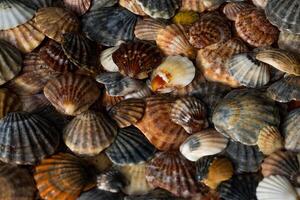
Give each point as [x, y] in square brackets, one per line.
[194, 5]
[289, 41]
[54, 22]
[109, 101]
[232, 9]
[34, 102]
[254, 28]
[148, 28]
[132, 6]
[78, 6]
[9, 102]
[269, 140]
[72, 94]
[101, 162]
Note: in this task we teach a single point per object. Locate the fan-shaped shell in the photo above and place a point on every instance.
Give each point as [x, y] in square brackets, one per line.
[186, 18]
[192, 5]
[157, 194]
[269, 140]
[9, 102]
[254, 28]
[148, 28]
[111, 180]
[96, 194]
[232, 9]
[290, 130]
[109, 101]
[78, 6]
[204, 143]
[33, 102]
[172, 172]
[289, 41]
[144, 92]
[132, 6]
[106, 59]
[54, 22]
[71, 94]
[101, 162]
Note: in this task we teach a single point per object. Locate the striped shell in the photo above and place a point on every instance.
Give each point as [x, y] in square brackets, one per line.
[33, 102]
[290, 129]
[143, 92]
[96, 194]
[132, 6]
[78, 6]
[148, 28]
[111, 180]
[9, 102]
[289, 41]
[269, 140]
[107, 61]
[232, 9]
[109, 101]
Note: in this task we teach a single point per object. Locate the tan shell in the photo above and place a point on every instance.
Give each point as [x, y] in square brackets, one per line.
[148, 28]
[289, 42]
[132, 6]
[9, 102]
[232, 9]
[260, 3]
[269, 140]
[109, 101]
[194, 5]
[78, 6]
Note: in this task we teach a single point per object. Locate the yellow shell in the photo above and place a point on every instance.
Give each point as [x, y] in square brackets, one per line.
[269, 140]
[186, 17]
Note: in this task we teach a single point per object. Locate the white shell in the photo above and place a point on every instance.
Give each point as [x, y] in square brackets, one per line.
[107, 61]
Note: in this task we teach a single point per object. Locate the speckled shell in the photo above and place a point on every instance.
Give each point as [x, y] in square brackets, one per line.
[96, 194]
[62, 176]
[78, 6]
[16, 183]
[204, 143]
[172, 172]
[290, 129]
[254, 28]
[157, 126]
[111, 180]
[9, 102]
[71, 94]
[148, 28]
[173, 40]
[159, 8]
[26, 150]
[157, 194]
[54, 22]
[107, 61]
[137, 59]
[186, 18]
[89, 133]
[109, 26]
[232, 9]
[289, 41]
[269, 140]
[132, 6]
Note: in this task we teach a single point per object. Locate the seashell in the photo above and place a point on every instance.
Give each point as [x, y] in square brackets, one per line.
[96, 4]
[111, 181]
[172, 172]
[175, 72]
[132, 6]
[186, 18]
[192, 5]
[159, 9]
[78, 6]
[38, 140]
[248, 71]
[210, 29]
[232, 9]
[157, 126]
[157, 194]
[204, 143]
[246, 158]
[109, 78]
[109, 26]
[9, 102]
[16, 183]
[54, 22]
[107, 61]
[100, 162]
[189, 113]
[89, 133]
[269, 140]
[290, 129]
[62, 176]
[127, 112]
[144, 92]
[289, 41]
[137, 59]
[109, 101]
[242, 116]
[130, 147]
[43, 3]
[254, 28]
[96, 194]
[260, 3]
[212, 60]
[14, 13]
[275, 188]
[293, 105]
[212, 171]
[173, 40]
[71, 94]
[148, 28]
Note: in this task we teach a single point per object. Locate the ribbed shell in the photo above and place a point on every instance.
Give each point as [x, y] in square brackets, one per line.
[71, 94]
[148, 28]
[89, 133]
[96, 194]
[144, 92]
[16, 183]
[289, 41]
[192, 5]
[106, 59]
[54, 22]
[62, 176]
[172, 172]
[111, 180]
[269, 140]
[157, 194]
[26, 138]
[102, 3]
[33, 102]
[9, 102]
[290, 129]
[232, 9]
[109, 101]
[132, 6]
[78, 6]
[109, 26]
[204, 143]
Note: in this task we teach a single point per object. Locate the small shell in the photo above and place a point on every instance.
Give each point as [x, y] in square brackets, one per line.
[111, 180]
[232, 9]
[175, 72]
[132, 6]
[78, 6]
[269, 140]
[204, 143]
[107, 61]
[289, 41]
[260, 3]
[290, 130]
[173, 40]
[157, 194]
[71, 94]
[9, 102]
[186, 18]
[148, 28]
[172, 172]
[96, 194]
[254, 28]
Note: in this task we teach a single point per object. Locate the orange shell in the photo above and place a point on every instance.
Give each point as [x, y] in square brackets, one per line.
[78, 6]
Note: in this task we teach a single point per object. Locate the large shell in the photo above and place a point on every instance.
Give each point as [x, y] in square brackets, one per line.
[157, 194]
[172, 172]
[204, 143]
[232, 9]
[289, 41]
[71, 94]
[62, 176]
[107, 61]
[290, 130]
[253, 27]
[9, 102]
[78, 6]
[26, 138]
[269, 140]
[89, 133]
[111, 180]
[109, 26]
[173, 40]
[132, 6]
[148, 28]
[96, 194]
[16, 183]
[54, 22]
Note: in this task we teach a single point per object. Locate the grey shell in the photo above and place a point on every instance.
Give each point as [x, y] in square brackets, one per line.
[291, 130]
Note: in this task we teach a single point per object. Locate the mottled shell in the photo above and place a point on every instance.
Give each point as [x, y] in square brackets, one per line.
[54, 22]
[78, 6]
[186, 18]
[96, 194]
[62, 176]
[204, 143]
[172, 172]
[107, 61]
[148, 28]
[19, 133]
[254, 28]
[291, 130]
[9, 102]
[71, 94]
[132, 6]
[269, 140]
[232, 9]
[289, 41]
[173, 40]
[157, 194]
[111, 180]
[137, 59]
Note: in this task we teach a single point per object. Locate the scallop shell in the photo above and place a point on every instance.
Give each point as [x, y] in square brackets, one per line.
[16, 183]
[109, 101]
[157, 194]
[175, 72]
[192, 5]
[137, 59]
[130, 147]
[172, 172]
[43, 3]
[96, 4]
[9, 102]
[173, 40]
[144, 92]
[62, 176]
[289, 41]
[71, 94]
[96, 194]
[204, 143]
[54, 22]
[132, 6]
[33, 102]
[89, 133]
[269, 140]
[38, 140]
[254, 28]
[111, 180]
[109, 26]
[186, 18]
[290, 129]
[260, 3]
[107, 61]
[101, 162]
[78, 6]
[232, 9]
[148, 28]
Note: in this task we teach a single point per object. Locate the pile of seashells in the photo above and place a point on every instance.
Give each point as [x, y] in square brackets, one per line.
[149, 99]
